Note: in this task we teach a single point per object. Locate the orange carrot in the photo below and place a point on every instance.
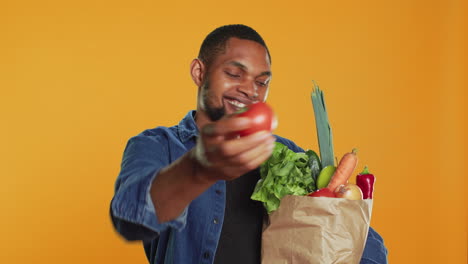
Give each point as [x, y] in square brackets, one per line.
[344, 170]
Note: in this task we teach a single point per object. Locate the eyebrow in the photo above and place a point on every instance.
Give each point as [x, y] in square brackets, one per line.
[242, 66]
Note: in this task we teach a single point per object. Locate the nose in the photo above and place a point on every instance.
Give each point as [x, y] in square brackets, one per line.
[249, 89]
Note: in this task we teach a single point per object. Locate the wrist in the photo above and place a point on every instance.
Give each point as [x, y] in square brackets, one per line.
[201, 173]
[198, 153]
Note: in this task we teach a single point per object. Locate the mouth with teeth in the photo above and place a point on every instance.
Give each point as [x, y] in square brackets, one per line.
[234, 104]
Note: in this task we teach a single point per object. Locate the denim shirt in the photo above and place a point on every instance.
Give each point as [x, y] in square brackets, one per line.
[193, 236]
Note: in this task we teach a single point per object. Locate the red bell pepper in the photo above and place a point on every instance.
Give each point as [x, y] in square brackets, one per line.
[365, 180]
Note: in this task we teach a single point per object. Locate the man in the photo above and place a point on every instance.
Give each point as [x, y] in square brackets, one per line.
[185, 190]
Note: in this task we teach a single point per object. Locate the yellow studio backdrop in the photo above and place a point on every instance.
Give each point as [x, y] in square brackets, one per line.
[79, 78]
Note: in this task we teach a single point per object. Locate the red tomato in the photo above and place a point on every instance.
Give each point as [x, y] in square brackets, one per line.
[262, 116]
[324, 192]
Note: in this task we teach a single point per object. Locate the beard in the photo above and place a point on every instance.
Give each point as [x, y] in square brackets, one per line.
[213, 112]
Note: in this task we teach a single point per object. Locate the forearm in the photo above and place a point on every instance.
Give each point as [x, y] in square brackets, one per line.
[177, 185]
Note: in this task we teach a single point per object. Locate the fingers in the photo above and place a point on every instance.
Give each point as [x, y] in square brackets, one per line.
[257, 160]
[253, 158]
[246, 162]
[233, 147]
[226, 126]
[245, 151]
[229, 157]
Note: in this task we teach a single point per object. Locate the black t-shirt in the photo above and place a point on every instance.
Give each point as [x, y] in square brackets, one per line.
[241, 235]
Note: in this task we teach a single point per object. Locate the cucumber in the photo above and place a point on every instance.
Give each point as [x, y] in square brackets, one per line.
[314, 164]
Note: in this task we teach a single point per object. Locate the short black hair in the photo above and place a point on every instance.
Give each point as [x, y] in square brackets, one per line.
[215, 43]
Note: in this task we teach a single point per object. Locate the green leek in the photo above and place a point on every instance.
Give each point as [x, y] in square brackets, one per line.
[324, 131]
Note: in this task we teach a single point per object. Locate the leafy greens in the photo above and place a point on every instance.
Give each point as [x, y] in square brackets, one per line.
[284, 173]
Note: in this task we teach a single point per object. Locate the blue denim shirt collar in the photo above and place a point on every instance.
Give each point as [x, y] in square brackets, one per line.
[187, 128]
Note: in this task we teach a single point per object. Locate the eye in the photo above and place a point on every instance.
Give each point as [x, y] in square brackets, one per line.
[232, 74]
[262, 84]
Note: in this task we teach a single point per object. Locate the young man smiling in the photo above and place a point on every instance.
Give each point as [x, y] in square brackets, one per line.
[185, 190]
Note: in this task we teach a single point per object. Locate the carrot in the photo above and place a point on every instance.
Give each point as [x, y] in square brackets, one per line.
[344, 170]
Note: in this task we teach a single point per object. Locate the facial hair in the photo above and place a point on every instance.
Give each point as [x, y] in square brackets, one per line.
[214, 113]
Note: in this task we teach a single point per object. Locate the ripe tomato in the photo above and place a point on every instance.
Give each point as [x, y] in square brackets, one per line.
[263, 118]
[325, 192]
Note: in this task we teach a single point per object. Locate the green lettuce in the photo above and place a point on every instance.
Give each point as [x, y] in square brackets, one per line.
[284, 173]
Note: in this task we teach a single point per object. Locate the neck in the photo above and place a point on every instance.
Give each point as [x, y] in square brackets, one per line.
[201, 119]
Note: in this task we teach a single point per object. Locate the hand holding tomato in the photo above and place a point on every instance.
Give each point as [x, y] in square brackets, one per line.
[224, 157]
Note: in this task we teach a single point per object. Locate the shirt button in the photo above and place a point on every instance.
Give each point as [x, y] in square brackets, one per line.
[219, 192]
[215, 221]
[206, 254]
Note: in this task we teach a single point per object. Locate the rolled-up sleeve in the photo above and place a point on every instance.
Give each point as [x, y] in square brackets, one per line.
[132, 211]
[375, 251]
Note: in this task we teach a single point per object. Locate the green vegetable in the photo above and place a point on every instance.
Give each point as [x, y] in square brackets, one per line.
[325, 176]
[284, 173]
[324, 132]
[314, 164]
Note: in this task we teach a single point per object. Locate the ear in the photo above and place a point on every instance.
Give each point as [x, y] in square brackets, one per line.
[197, 71]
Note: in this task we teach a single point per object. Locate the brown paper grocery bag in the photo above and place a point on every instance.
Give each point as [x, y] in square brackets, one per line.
[313, 230]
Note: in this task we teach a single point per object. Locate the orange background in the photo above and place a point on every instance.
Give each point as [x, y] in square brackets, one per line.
[78, 78]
